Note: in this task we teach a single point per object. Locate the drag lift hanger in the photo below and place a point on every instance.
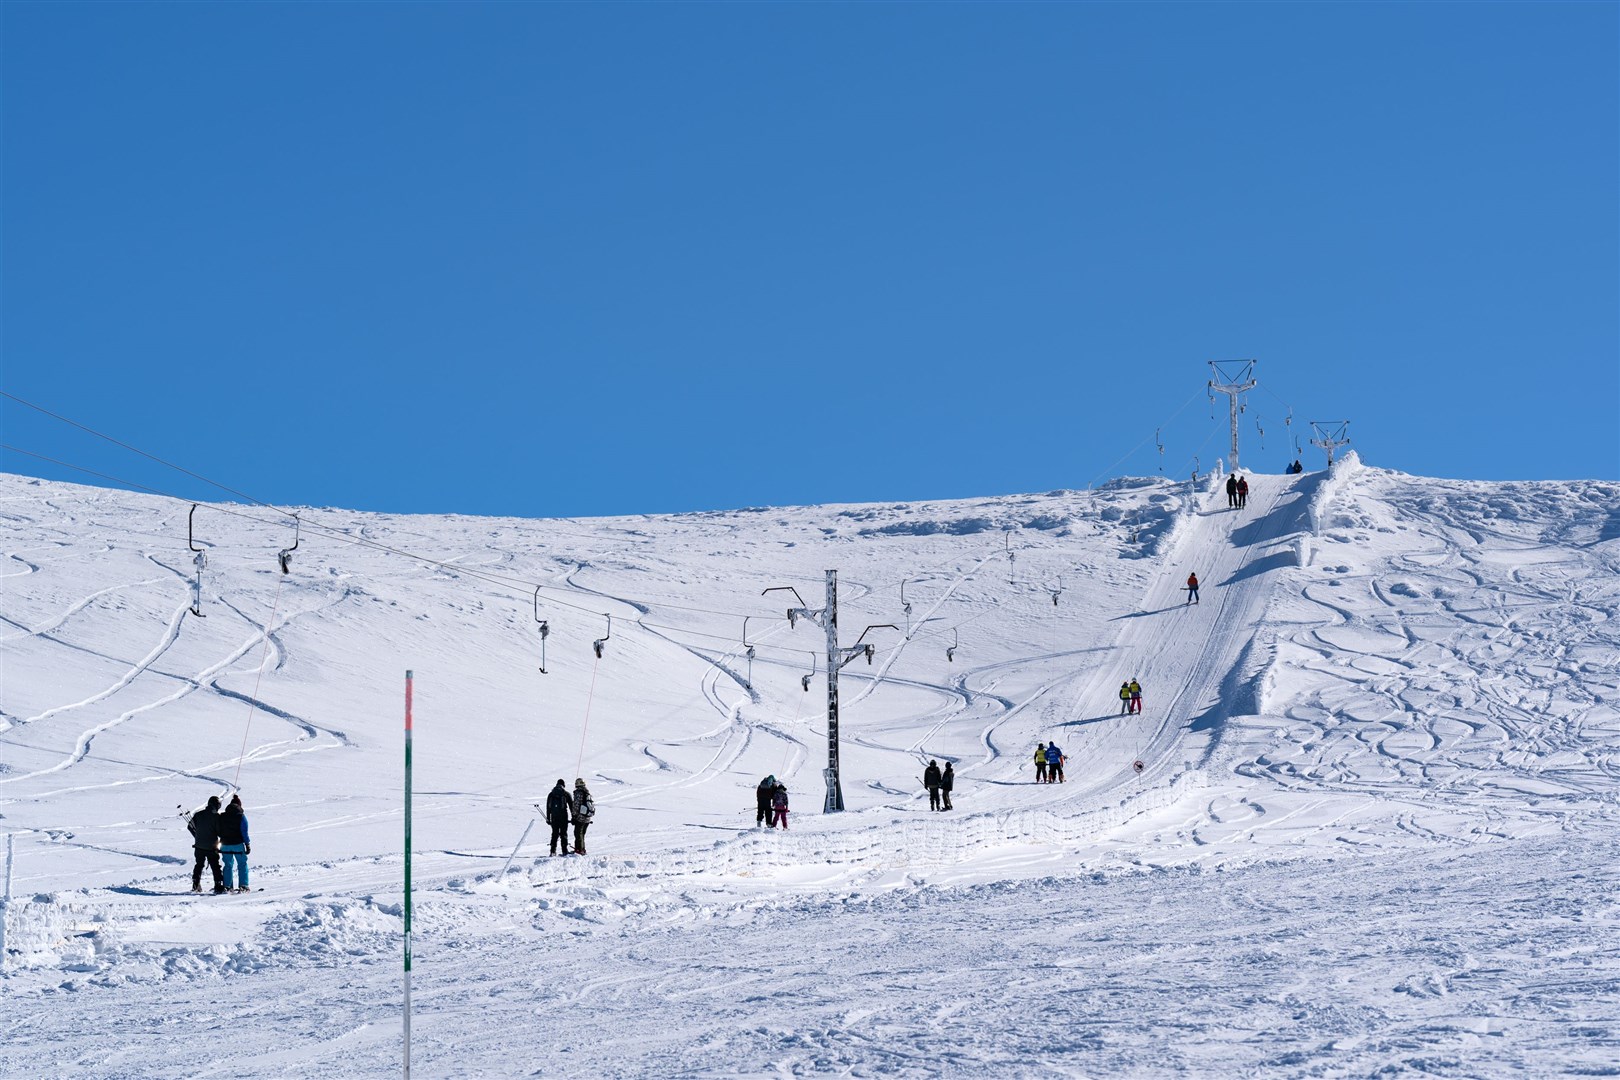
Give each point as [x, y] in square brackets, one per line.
[284, 556]
[748, 651]
[905, 606]
[545, 630]
[604, 639]
[804, 680]
[950, 650]
[200, 561]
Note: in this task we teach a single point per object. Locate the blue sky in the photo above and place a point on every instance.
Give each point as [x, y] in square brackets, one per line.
[588, 259]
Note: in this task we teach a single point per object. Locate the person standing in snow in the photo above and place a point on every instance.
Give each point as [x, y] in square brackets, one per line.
[204, 826]
[584, 811]
[762, 801]
[779, 805]
[1136, 696]
[947, 780]
[1243, 492]
[1040, 763]
[1192, 588]
[931, 782]
[1054, 764]
[234, 845]
[559, 808]
[1231, 490]
[1124, 698]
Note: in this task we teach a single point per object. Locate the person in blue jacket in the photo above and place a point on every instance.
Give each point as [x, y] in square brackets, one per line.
[234, 845]
[1054, 763]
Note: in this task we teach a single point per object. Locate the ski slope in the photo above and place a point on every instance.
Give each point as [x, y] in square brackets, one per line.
[1373, 831]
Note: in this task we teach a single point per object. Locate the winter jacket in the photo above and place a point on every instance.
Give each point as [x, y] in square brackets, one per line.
[559, 806]
[1053, 754]
[1124, 691]
[233, 827]
[762, 794]
[1040, 755]
[1231, 485]
[947, 779]
[1136, 689]
[204, 826]
[931, 777]
[584, 806]
[1242, 487]
[779, 799]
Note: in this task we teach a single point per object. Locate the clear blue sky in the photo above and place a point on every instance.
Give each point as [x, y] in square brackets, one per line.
[579, 259]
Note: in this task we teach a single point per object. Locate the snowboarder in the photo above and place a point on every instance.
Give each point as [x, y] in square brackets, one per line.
[779, 804]
[1040, 763]
[1054, 764]
[931, 782]
[1231, 490]
[762, 801]
[234, 845]
[584, 811]
[1192, 588]
[1243, 492]
[947, 780]
[1136, 696]
[1124, 698]
[559, 807]
[204, 826]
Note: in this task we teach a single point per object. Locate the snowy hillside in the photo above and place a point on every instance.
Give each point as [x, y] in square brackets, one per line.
[1372, 829]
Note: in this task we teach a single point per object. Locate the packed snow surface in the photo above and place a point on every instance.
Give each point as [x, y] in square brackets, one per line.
[1364, 824]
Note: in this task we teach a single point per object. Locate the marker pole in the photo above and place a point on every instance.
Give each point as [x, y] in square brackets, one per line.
[407, 875]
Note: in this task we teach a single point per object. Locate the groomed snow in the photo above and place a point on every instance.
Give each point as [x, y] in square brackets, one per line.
[1372, 834]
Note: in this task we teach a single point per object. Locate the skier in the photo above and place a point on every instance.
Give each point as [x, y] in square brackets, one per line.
[1192, 588]
[1124, 698]
[1040, 763]
[1136, 696]
[1296, 468]
[1231, 490]
[947, 780]
[584, 811]
[559, 807]
[931, 782]
[204, 826]
[1243, 492]
[779, 803]
[234, 845]
[1054, 764]
[762, 801]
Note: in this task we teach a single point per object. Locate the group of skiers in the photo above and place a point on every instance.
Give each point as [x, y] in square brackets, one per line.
[563, 808]
[1237, 491]
[771, 803]
[1130, 697]
[216, 833]
[1049, 763]
[939, 785]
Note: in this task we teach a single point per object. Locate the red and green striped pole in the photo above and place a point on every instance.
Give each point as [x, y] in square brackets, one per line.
[407, 875]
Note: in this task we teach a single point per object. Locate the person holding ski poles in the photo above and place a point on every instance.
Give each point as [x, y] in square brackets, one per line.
[1040, 763]
[1192, 588]
[931, 781]
[204, 826]
[1243, 492]
[1124, 698]
[947, 780]
[1054, 764]
[559, 808]
[1136, 696]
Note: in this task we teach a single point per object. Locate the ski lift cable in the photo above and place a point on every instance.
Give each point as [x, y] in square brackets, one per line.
[1132, 452]
[253, 701]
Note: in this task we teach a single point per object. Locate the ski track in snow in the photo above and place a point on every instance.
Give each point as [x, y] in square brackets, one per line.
[1372, 836]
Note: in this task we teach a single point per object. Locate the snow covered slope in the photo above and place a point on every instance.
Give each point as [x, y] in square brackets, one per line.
[1390, 725]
